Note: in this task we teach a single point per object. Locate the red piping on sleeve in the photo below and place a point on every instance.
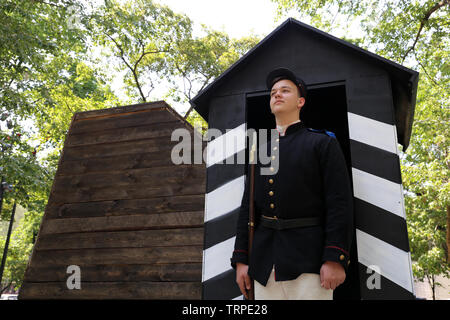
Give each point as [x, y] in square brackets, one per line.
[334, 247]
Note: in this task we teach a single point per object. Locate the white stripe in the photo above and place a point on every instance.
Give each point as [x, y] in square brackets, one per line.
[241, 297]
[378, 191]
[393, 263]
[226, 145]
[216, 260]
[372, 132]
[224, 199]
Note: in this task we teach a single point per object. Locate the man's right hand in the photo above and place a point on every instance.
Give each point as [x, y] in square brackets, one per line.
[242, 278]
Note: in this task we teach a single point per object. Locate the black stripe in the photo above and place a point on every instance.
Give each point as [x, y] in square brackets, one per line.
[388, 290]
[220, 229]
[379, 162]
[369, 107]
[363, 100]
[222, 173]
[226, 112]
[381, 224]
[221, 287]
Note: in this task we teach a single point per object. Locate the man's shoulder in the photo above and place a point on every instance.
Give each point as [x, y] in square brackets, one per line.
[321, 132]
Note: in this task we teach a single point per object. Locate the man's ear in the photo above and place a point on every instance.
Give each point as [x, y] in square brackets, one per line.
[301, 102]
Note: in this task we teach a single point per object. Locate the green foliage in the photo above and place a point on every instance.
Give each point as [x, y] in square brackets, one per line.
[45, 76]
[140, 34]
[198, 61]
[155, 47]
[49, 71]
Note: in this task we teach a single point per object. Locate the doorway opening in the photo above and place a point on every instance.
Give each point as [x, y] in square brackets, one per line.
[325, 108]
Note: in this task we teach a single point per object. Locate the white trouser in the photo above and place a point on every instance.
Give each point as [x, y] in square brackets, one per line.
[304, 287]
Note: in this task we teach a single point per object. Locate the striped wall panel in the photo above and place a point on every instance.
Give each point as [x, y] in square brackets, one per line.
[381, 233]
[380, 221]
[225, 188]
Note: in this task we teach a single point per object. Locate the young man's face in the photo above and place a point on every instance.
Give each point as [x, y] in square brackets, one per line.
[285, 98]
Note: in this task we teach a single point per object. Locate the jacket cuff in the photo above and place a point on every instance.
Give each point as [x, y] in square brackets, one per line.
[239, 256]
[336, 254]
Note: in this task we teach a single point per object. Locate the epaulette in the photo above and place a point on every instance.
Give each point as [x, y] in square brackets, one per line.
[331, 134]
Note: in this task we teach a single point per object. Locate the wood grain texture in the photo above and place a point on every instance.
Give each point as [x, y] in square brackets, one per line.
[122, 211]
[121, 239]
[154, 255]
[116, 223]
[113, 290]
[184, 272]
[123, 120]
[175, 203]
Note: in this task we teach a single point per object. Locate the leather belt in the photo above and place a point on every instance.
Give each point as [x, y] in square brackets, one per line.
[280, 224]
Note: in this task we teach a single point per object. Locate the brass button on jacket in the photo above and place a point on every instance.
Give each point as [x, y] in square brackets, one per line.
[270, 193]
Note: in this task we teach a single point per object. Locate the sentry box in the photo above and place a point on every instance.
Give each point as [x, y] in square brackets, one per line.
[367, 101]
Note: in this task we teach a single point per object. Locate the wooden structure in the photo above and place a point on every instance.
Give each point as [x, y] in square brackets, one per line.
[366, 100]
[121, 211]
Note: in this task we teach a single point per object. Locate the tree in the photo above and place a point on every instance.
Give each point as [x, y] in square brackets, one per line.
[200, 60]
[45, 76]
[413, 33]
[156, 47]
[140, 34]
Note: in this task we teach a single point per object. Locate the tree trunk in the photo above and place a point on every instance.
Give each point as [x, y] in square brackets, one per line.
[5, 250]
[448, 234]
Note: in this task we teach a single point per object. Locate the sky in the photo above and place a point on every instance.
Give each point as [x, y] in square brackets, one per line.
[237, 18]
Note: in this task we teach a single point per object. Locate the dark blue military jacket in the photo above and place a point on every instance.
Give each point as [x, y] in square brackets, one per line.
[312, 181]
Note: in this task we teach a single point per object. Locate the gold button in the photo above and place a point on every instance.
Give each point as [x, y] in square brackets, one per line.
[270, 181]
[342, 257]
[278, 139]
[273, 157]
[272, 169]
[348, 262]
[271, 193]
[275, 148]
[272, 205]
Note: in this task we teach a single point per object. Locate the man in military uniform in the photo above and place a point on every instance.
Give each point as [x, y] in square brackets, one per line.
[303, 213]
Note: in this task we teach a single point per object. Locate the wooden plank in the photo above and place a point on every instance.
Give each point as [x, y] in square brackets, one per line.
[121, 273]
[126, 207]
[171, 174]
[134, 161]
[121, 239]
[117, 223]
[154, 255]
[167, 186]
[122, 109]
[124, 134]
[123, 120]
[112, 290]
[157, 144]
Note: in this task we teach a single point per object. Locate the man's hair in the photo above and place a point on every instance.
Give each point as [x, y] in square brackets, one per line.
[299, 93]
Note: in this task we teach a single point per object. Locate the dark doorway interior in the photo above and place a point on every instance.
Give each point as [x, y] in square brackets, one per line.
[326, 108]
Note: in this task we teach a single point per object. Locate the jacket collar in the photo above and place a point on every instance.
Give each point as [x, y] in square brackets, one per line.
[293, 128]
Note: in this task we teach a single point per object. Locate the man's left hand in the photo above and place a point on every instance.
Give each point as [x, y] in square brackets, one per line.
[332, 274]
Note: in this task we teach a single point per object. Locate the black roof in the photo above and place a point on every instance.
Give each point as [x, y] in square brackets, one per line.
[404, 80]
